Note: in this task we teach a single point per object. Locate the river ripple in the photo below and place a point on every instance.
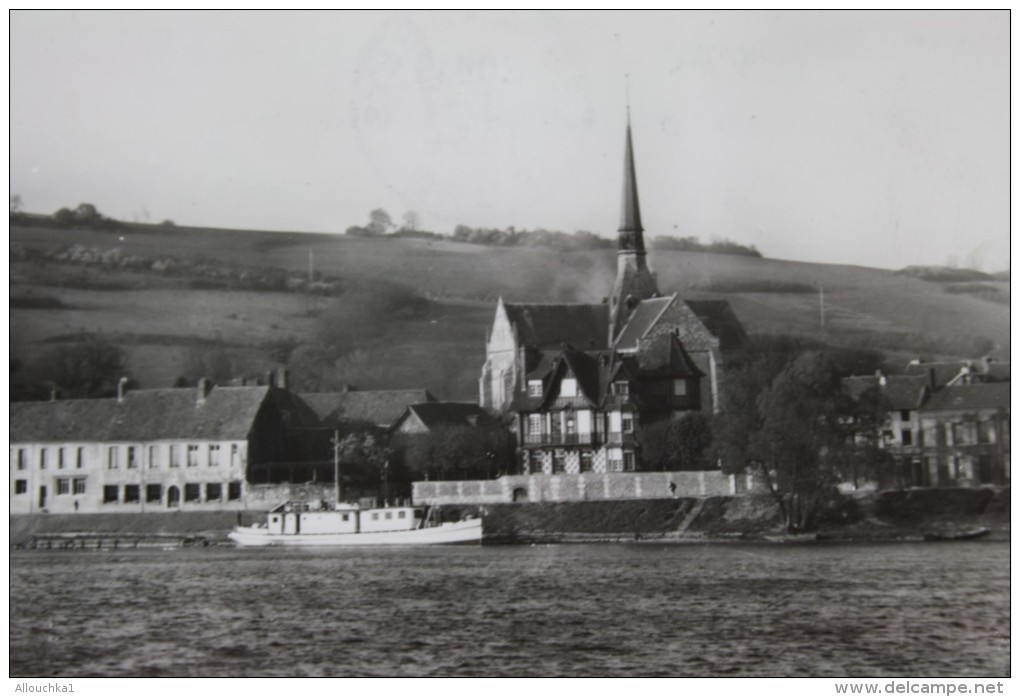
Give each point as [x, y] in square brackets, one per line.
[627, 610]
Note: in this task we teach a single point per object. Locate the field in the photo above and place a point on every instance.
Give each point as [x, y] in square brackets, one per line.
[409, 312]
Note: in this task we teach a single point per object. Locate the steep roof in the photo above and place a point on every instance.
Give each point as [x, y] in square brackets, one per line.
[989, 395]
[551, 326]
[438, 414]
[662, 355]
[630, 209]
[226, 413]
[940, 373]
[380, 407]
[900, 392]
[719, 318]
[641, 320]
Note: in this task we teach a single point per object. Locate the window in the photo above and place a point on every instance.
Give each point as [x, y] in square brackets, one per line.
[214, 492]
[153, 456]
[42, 458]
[906, 436]
[111, 458]
[175, 455]
[628, 423]
[568, 388]
[63, 486]
[401, 514]
[214, 455]
[534, 423]
[534, 388]
[192, 492]
[132, 457]
[132, 493]
[79, 458]
[346, 517]
[375, 516]
[235, 455]
[586, 461]
[20, 486]
[79, 485]
[234, 491]
[621, 388]
[110, 494]
[559, 462]
[153, 493]
[984, 433]
[22, 459]
[616, 465]
[905, 415]
[628, 462]
[192, 456]
[679, 388]
[571, 424]
[60, 458]
[389, 515]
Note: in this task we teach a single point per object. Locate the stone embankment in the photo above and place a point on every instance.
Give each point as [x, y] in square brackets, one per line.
[890, 515]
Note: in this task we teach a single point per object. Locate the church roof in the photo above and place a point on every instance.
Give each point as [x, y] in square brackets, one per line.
[662, 355]
[719, 318]
[642, 319]
[544, 326]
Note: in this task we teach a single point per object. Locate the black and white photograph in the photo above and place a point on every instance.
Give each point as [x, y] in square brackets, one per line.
[510, 344]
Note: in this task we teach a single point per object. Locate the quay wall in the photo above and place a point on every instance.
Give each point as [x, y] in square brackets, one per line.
[589, 486]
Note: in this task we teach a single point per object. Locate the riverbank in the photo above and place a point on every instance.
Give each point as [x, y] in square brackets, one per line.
[884, 516]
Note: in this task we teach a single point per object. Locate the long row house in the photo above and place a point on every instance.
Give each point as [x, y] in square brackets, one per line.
[198, 448]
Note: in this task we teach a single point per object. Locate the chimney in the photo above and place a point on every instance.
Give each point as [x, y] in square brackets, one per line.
[283, 378]
[121, 388]
[270, 381]
[204, 387]
[881, 378]
[53, 392]
[916, 361]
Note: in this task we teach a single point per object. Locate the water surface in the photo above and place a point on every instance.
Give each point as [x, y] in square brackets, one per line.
[626, 609]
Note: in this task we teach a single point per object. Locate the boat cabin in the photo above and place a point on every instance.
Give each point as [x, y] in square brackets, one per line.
[320, 519]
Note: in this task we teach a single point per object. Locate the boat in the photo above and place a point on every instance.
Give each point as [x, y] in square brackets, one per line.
[956, 536]
[301, 524]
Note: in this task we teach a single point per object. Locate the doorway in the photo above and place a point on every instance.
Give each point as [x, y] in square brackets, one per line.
[173, 497]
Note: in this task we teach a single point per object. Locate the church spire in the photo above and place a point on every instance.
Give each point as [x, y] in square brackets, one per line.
[630, 212]
[634, 280]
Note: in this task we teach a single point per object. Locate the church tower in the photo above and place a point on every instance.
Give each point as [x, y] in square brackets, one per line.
[634, 280]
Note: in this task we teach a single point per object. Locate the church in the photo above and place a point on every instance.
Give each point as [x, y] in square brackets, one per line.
[580, 380]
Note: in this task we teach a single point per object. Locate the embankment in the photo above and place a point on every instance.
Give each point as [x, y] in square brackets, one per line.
[890, 515]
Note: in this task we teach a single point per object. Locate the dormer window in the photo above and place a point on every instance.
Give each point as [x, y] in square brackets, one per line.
[534, 388]
[621, 388]
[568, 388]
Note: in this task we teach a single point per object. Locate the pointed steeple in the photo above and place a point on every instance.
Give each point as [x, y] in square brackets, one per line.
[630, 212]
[634, 280]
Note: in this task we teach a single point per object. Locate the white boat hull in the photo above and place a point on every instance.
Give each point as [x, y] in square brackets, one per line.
[463, 532]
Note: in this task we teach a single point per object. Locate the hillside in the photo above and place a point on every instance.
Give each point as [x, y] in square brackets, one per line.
[409, 312]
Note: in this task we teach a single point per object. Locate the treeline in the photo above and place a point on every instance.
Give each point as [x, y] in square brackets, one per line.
[380, 224]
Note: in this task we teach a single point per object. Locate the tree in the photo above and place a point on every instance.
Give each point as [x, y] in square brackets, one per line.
[64, 217]
[91, 368]
[458, 452]
[379, 222]
[784, 416]
[678, 444]
[15, 204]
[411, 221]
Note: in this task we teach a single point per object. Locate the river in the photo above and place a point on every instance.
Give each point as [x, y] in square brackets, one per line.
[937, 609]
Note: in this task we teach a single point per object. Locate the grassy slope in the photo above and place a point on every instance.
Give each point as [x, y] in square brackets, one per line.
[159, 320]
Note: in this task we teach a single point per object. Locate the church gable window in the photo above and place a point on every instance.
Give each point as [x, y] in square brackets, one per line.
[534, 388]
[621, 388]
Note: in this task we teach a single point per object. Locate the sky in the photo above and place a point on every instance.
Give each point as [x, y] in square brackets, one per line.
[871, 138]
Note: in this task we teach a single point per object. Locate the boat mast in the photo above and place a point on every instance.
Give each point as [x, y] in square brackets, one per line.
[336, 466]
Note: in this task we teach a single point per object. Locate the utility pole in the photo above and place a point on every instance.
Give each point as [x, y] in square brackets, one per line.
[821, 304]
[311, 266]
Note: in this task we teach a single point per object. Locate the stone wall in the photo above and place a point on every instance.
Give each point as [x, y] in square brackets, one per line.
[263, 497]
[585, 487]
